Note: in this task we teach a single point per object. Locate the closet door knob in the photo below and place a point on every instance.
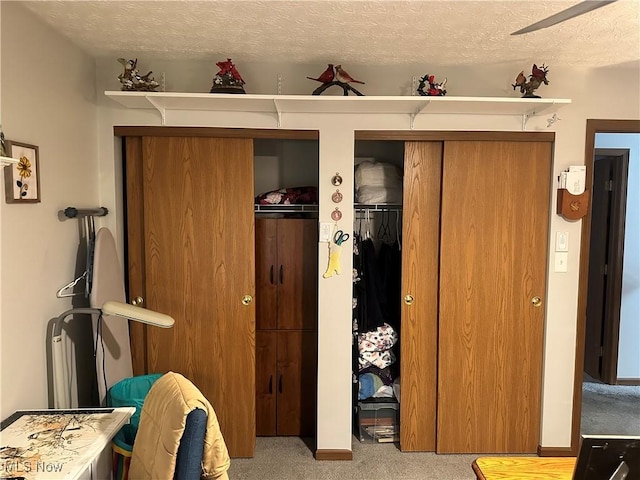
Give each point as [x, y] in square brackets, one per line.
[246, 300]
[270, 383]
[536, 301]
[408, 299]
[271, 275]
[137, 301]
[280, 384]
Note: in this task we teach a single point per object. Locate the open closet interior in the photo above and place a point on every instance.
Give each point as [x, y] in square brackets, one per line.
[377, 277]
[286, 226]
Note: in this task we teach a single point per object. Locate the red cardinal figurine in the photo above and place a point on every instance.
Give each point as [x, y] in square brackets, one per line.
[327, 75]
[344, 77]
[539, 72]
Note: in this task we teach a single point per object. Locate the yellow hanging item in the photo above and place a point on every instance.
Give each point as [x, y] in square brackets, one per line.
[334, 261]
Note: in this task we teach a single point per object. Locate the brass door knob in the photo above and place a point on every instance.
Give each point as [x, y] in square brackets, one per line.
[408, 299]
[246, 300]
[137, 301]
[536, 301]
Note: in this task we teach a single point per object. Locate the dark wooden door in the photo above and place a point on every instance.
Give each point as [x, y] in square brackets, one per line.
[266, 273]
[606, 247]
[297, 267]
[493, 263]
[193, 252]
[286, 273]
[296, 368]
[266, 378]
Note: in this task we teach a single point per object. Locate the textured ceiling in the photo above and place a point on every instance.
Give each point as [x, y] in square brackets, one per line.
[355, 32]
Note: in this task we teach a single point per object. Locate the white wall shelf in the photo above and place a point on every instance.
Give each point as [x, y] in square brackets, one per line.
[282, 104]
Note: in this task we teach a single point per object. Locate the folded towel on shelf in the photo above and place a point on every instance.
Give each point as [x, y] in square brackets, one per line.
[370, 384]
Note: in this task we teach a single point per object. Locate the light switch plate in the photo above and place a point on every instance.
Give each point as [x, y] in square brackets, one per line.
[562, 241]
[325, 231]
[561, 260]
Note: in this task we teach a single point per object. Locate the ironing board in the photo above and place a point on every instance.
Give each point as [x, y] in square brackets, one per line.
[113, 356]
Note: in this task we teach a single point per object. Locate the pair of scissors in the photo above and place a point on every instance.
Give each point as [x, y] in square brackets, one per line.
[340, 237]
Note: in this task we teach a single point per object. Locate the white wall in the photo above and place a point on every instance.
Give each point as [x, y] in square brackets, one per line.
[48, 99]
[629, 334]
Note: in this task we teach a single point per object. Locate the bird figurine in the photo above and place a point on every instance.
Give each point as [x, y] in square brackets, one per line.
[343, 77]
[520, 80]
[326, 76]
[539, 72]
[538, 77]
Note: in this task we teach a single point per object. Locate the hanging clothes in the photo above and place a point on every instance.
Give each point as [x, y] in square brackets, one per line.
[390, 283]
[367, 290]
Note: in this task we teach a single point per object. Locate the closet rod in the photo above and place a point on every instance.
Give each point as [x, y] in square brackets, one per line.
[378, 207]
[73, 212]
[281, 208]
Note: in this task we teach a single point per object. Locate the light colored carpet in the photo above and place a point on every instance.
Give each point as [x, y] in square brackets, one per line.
[606, 409]
[610, 409]
[290, 458]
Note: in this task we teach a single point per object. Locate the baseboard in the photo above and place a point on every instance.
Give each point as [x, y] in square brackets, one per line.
[632, 382]
[334, 455]
[555, 452]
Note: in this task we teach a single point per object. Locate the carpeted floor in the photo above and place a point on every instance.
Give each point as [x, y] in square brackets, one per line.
[610, 409]
[290, 458]
[606, 409]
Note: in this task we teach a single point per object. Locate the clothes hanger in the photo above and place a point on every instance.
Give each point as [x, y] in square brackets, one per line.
[368, 223]
[61, 293]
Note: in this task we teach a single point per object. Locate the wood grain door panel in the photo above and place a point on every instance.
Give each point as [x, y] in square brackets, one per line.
[199, 263]
[266, 378]
[266, 273]
[134, 187]
[493, 260]
[297, 274]
[296, 366]
[418, 342]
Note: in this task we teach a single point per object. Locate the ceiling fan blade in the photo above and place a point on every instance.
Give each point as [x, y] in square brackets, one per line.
[578, 9]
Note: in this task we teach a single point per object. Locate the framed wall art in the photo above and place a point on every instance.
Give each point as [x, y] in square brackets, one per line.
[22, 180]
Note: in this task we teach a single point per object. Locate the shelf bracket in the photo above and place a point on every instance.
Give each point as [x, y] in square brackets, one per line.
[160, 109]
[278, 112]
[412, 116]
[534, 112]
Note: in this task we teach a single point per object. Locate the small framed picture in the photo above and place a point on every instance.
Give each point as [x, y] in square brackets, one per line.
[22, 180]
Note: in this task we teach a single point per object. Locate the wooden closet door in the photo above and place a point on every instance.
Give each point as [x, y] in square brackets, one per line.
[418, 342]
[493, 262]
[199, 264]
[296, 399]
[266, 273]
[297, 274]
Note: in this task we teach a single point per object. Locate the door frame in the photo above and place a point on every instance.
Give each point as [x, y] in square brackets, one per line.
[593, 126]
